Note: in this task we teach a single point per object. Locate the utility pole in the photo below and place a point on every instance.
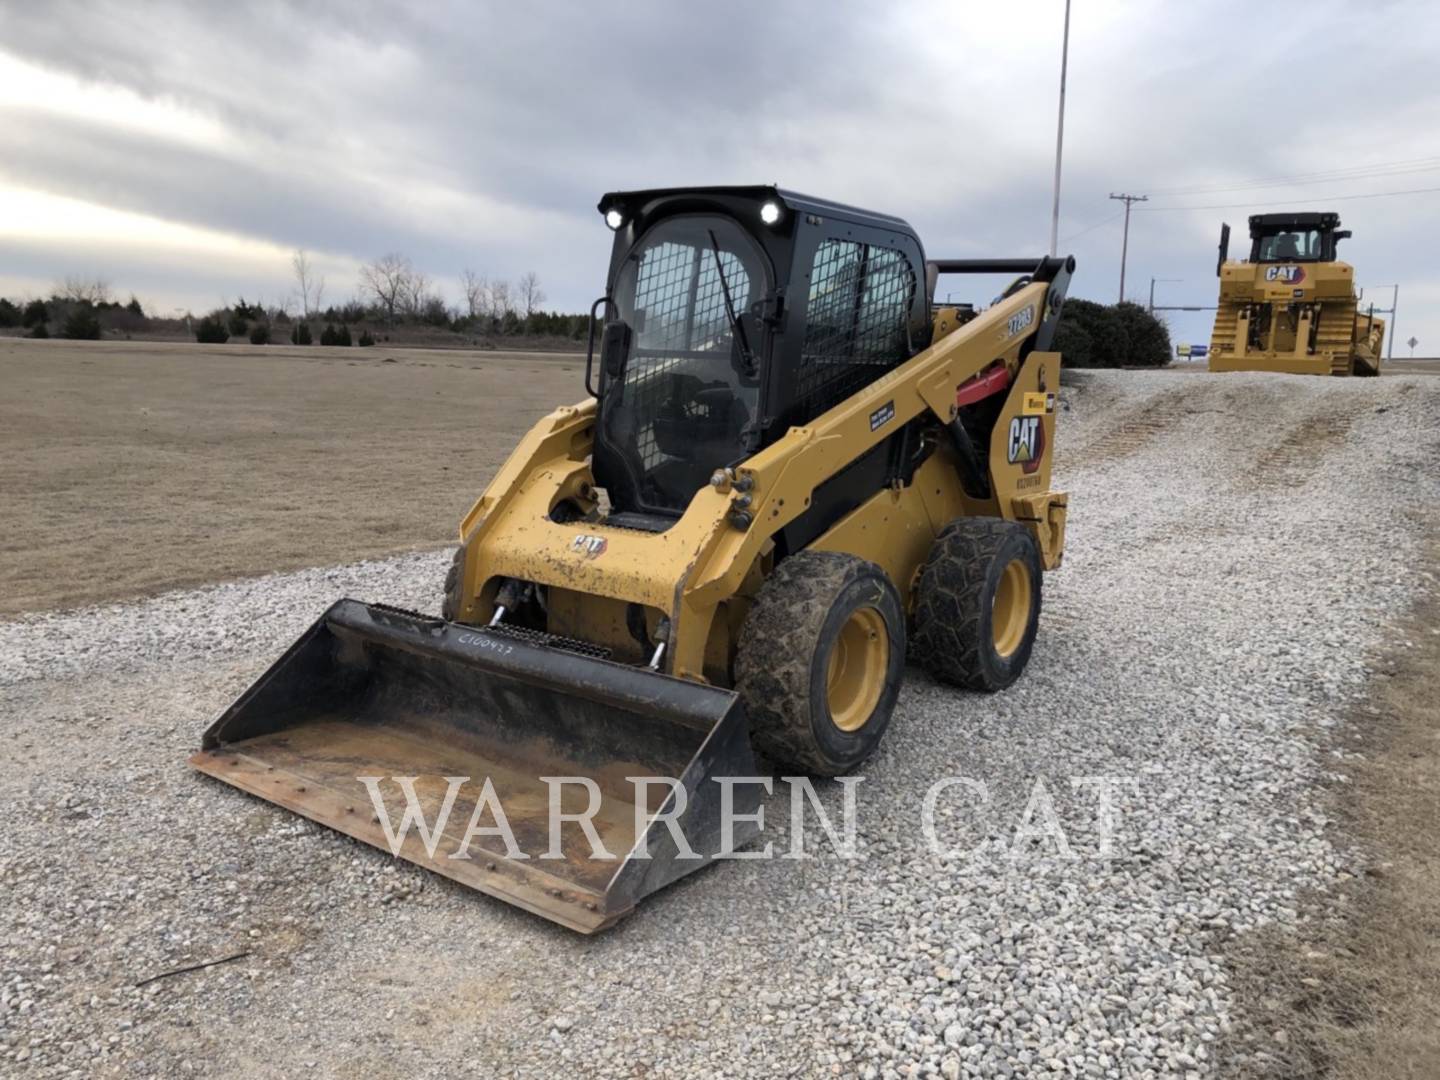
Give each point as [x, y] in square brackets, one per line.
[1394, 303]
[1151, 306]
[1060, 134]
[1390, 328]
[1128, 200]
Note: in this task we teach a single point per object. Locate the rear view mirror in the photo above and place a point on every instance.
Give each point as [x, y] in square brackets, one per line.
[615, 348]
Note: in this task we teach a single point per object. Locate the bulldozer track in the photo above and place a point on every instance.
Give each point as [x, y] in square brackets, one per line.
[1134, 429]
[1300, 451]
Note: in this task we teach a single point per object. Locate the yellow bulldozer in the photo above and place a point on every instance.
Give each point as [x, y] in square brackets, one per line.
[1292, 307]
[793, 471]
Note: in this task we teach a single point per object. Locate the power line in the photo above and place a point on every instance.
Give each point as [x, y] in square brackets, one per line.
[1382, 168]
[1335, 179]
[1289, 202]
[1091, 228]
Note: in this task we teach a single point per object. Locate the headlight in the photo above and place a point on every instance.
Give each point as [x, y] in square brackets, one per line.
[614, 218]
[770, 213]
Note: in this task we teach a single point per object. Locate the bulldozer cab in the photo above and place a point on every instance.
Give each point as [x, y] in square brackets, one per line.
[730, 315]
[1276, 238]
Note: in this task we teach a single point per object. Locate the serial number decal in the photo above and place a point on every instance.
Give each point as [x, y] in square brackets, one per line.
[1019, 321]
[883, 415]
[485, 641]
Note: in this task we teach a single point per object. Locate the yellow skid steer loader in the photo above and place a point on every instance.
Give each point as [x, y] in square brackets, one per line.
[793, 472]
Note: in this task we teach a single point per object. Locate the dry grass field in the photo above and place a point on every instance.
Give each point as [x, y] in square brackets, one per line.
[131, 467]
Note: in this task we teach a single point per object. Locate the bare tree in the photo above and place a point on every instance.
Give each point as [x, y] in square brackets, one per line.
[85, 290]
[386, 281]
[477, 292]
[499, 301]
[531, 295]
[416, 295]
[312, 284]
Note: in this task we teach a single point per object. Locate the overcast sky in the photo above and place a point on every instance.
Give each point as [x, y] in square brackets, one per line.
[183, 150]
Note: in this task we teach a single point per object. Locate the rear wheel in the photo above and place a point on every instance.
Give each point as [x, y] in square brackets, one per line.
[977, 604]
[820, 659]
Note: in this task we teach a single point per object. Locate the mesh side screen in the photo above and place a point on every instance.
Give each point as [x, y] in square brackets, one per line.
[680, 309]
[860, 299]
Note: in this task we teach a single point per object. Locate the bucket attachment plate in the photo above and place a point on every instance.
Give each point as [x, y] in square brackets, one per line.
[373, 691]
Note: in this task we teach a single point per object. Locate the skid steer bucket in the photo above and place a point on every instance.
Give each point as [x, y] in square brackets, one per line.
[372, 691]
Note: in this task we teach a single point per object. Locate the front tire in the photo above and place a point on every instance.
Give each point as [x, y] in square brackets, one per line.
[820, 660]
[454, 578]
[977, 604]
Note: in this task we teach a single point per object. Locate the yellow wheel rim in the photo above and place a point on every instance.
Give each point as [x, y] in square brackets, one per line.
[855, 672]
[1010, 611]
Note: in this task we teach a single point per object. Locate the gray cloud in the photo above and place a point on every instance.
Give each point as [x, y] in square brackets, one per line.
[481, 134]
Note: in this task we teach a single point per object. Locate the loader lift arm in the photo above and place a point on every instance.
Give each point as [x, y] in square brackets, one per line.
[782, 477]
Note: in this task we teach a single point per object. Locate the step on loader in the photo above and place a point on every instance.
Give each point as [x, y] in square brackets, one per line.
[793, 472]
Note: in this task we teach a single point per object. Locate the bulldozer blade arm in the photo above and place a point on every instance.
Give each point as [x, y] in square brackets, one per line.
[374, 692]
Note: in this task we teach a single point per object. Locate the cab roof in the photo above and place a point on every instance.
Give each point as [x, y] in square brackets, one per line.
[1317, 219]
[644, 202]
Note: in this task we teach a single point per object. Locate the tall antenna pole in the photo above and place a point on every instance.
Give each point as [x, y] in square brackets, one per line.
[1128, 200]
[1060, 134]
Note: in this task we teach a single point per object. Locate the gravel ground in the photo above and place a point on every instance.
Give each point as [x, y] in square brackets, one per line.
[1238, 546]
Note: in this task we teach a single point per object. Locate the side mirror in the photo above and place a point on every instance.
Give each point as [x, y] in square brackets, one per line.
[1224, 247]
[615, 348]
[1344, 234]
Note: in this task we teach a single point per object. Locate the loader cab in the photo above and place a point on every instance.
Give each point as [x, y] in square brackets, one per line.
[732, 314]
[1288, 238]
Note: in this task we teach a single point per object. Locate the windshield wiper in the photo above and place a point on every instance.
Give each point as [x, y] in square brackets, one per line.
[751, 367]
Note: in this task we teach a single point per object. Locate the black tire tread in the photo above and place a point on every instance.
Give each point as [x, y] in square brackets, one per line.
[450, 606]
[776, 649]
[950, 628]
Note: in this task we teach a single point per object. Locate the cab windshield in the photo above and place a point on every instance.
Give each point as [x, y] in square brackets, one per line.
[1289, 245]
[689, 392]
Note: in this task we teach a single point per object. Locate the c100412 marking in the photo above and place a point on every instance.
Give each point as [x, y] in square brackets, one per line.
[485, 641]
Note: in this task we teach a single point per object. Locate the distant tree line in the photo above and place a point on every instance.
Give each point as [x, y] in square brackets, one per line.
[1092, 335]
[74, 310]
[392, 295]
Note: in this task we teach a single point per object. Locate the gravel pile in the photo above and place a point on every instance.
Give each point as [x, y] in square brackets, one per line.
[1238, 547]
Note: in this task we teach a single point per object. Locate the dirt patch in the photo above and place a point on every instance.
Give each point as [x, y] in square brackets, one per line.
[1352, 993]
[133, 467]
